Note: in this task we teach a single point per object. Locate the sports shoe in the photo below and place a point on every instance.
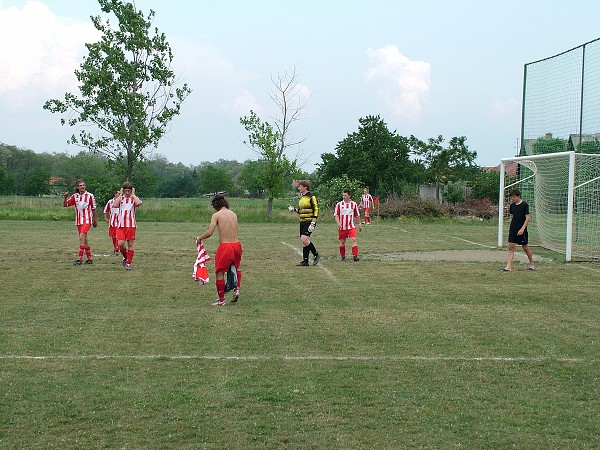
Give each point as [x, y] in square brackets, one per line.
[124, 261]
[89, 261]
[236, 295]
[343, 258]
[317, 259]
[302, 263]
[116, 252]
[355, 258]
[77, 262]
[127, 266]
[218, 302]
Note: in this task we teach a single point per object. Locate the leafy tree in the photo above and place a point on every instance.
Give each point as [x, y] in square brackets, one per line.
[270, 142]
[212, 179]
[486, 184]
[374, 155]
[7, 181]
[448, 164]
[330, 192]
[250, 178]
[545, 145]
[275, 167]
[37, 181]
[589, 147]
[127, 89]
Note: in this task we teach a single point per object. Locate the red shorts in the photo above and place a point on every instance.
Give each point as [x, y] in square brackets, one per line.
[228, 253]
[112, 231]
[366, 210]
[126, 234]
[83, 229]
[345, 234]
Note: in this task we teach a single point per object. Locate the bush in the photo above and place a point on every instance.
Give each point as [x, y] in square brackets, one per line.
[410, 207]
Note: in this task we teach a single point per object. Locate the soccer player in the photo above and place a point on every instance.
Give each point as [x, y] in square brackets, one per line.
[127, 202]
[366, 203]
[111, 215]
[308, 210]
[229, 251]
[517, 233]
[85, 217]
[344, 213]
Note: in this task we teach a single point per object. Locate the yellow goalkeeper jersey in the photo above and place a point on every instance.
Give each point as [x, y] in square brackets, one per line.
[308, 207]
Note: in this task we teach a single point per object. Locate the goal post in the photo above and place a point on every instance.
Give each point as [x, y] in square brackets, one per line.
[563, 193]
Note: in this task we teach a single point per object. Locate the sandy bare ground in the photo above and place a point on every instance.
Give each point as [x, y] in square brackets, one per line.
[450, 255]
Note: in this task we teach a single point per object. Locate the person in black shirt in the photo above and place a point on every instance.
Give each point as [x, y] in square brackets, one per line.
[517, 233]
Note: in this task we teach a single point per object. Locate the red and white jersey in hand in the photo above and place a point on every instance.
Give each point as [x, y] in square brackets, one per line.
[127, 213]
[347, 212]
[84, 204]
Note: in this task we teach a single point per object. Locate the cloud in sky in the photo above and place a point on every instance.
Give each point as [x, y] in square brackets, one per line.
[501, 109]
[39, 52]
[404, 83]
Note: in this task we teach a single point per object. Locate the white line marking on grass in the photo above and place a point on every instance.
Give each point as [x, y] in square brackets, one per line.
[320, 265]
[585, 267]
[401, 229]
[471, 242]
[382, 358]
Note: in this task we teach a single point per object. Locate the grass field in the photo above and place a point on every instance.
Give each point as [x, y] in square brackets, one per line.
[387, 352]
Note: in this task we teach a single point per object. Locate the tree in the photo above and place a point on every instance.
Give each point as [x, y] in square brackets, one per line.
[448, 164]
[249, 178]
[374, 155]
[127, 89]
[270, 142]
[212, 179]
[37, 181]
[7, 181]
[486, 184]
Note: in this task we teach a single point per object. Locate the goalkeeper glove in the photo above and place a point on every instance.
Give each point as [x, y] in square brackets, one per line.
[291, 208]
[311, 227]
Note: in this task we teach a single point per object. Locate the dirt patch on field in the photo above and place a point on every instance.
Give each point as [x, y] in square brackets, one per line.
[449, 255]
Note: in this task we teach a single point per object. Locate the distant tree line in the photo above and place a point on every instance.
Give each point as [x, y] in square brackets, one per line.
[374, 157]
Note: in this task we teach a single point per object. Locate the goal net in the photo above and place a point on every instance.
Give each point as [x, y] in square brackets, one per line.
[563, 193]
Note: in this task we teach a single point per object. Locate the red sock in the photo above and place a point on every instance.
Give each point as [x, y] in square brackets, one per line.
[115, 244]
[368, 219]
[88, 253]
[343, 251]
[124, 252]
[81, 250]
[239, 277]
[129, 256]
[355, 250]
[221, 290]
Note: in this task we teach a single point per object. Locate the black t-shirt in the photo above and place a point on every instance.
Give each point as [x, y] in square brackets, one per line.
[519, 213]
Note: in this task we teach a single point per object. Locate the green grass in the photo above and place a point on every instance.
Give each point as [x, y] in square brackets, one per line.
[382, 353]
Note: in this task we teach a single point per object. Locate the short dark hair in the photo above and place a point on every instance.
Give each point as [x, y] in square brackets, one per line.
[304, 183]
[515, 192]
[127, 185]
[218, 201]
[79, 181]
[347, 191]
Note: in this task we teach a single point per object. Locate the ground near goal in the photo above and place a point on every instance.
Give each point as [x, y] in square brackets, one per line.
[563, 193]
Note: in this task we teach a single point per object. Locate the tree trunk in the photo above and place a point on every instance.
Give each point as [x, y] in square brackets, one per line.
[270, 207]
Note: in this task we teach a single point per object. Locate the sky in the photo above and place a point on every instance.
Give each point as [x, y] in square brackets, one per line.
[426, 67]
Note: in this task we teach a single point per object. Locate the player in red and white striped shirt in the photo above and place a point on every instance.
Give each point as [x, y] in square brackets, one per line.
[85, 217]
[111, 215]
[345, 212]
[366, 203]
[127, 203]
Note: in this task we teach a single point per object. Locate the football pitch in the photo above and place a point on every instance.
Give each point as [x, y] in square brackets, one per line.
[423, 343]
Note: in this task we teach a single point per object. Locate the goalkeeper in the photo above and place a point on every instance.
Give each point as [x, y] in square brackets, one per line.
[308, 210]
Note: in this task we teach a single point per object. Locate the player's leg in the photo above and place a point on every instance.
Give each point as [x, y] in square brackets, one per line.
[354, 249]
[220, 285]
[511, 256]
[529, 256]
[343, 249]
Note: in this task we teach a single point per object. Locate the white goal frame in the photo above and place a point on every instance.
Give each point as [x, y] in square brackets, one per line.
[570, 193]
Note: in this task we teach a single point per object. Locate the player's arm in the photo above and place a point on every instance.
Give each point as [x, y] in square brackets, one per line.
[65, 197]
[136, 200]
[209, 232]
[527, 219]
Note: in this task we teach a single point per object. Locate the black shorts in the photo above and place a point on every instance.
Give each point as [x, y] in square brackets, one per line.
[304, 229]
[514, 238]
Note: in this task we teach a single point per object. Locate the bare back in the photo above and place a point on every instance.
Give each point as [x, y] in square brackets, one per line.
[227, 223]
